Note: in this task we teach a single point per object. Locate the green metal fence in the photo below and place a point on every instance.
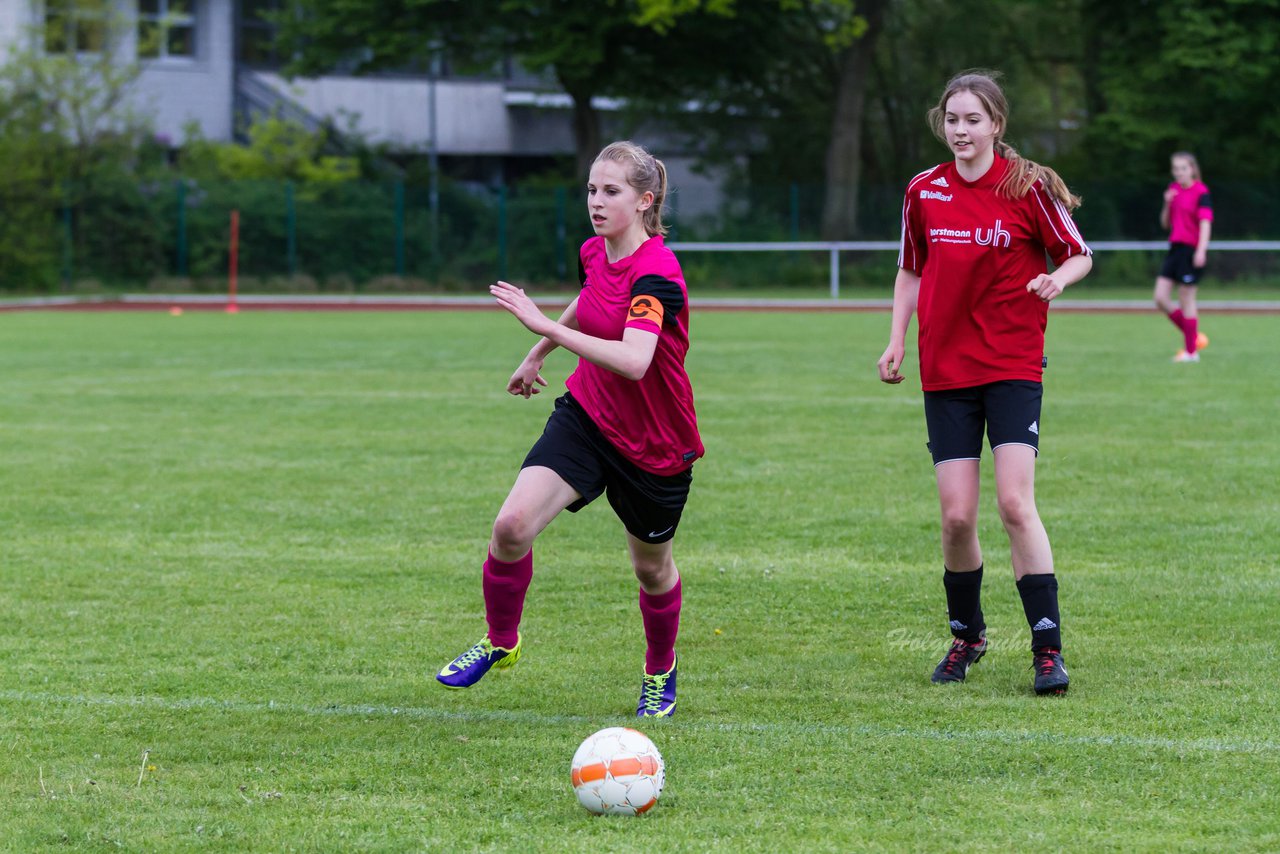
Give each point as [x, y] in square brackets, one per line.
[372, 236]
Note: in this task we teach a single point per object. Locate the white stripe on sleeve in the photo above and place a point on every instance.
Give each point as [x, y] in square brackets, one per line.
[907, 242]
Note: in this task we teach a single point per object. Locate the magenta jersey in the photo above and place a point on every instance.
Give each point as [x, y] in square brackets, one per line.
[651, 421]
[975, 253]
[1188, 209]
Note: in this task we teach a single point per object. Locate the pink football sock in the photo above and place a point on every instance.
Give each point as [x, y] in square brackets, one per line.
[661, 615]
[1177, 319]
[504, 587]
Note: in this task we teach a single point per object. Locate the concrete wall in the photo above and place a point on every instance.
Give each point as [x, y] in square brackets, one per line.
[472, 117]
[692, 194]
[178, 91]
[15, 22]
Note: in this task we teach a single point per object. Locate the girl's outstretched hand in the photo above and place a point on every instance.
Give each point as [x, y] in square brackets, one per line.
[514, 300]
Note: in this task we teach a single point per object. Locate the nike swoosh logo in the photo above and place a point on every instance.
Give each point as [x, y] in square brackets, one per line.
[448, 670]
[653, 534]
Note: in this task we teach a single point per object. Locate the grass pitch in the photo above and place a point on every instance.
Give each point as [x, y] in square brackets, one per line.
[236, 548]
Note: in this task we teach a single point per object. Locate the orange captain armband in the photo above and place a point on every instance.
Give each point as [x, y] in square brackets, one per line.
[646, 308]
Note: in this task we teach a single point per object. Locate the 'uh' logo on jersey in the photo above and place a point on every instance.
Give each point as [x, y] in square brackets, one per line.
[992, 236]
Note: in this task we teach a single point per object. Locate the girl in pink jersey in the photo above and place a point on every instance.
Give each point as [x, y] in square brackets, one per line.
[626, 427]
[1188, 214]
[975, 232]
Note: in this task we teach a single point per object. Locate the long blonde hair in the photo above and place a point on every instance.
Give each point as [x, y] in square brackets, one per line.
[646, 174]
[1022, 173]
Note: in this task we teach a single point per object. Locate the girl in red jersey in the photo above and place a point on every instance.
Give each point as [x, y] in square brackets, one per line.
[975, 232]
[625, 428]
[1188, 214]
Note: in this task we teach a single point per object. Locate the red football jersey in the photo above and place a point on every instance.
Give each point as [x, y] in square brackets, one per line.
[975, 253]
[651, 421]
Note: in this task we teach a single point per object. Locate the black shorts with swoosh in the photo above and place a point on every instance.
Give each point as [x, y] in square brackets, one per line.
[571, 445]
[1179, 265]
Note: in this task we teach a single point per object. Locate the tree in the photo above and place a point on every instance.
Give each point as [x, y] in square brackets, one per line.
[856, 43]
[278, 150]
[1198, 74]
[795, 69]
[592, 49]
[1034, 45]
[66, 130]
[29, 189]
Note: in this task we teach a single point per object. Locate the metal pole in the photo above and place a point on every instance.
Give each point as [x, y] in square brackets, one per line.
[399, 228]
[68, 245]
[433, 158]
[291, 229]
[233, 263]
[182, 228]
[561, 235]
[502, 232]
[795, 211]
[835, 273]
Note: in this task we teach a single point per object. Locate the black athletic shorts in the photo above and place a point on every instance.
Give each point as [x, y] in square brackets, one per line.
[1177, 265]
[572, 446]
[1009, 409]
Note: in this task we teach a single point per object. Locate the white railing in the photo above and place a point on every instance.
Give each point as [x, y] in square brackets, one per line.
[834, 248]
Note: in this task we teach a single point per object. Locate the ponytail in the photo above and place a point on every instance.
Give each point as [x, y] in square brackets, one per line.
[1022, 175]
[653, 216]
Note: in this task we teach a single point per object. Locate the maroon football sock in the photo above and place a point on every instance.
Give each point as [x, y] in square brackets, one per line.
[1190, 326]
[661, 615]
[504, 587]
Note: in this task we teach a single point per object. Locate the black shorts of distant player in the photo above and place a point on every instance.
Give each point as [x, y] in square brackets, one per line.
[1178, 265]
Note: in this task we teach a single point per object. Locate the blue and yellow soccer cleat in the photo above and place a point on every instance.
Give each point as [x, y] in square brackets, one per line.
[470, 667]
[658, 695]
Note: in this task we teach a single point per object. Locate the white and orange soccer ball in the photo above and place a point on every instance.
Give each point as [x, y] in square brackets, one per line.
[618, 771]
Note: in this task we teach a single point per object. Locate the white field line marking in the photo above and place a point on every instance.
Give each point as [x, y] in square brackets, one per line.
[1201, 745]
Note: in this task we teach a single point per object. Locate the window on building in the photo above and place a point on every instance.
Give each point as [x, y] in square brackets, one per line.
[75, 26]
[258, 33]
[166, 28]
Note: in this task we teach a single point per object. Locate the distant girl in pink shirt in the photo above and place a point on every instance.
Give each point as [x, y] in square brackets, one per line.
[1188, 214]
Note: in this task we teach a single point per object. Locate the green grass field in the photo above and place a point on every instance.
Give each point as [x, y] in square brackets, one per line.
[241, 545]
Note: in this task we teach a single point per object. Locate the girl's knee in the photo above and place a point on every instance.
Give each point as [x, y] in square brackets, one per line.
[1016, 511]
[652, 571]
[512, 532]
[957, 527]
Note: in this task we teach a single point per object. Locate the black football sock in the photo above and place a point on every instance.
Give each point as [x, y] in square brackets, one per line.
[1040, 604]
[964, 603]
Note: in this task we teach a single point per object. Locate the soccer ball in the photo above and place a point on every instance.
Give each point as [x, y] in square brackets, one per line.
[617, 771]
